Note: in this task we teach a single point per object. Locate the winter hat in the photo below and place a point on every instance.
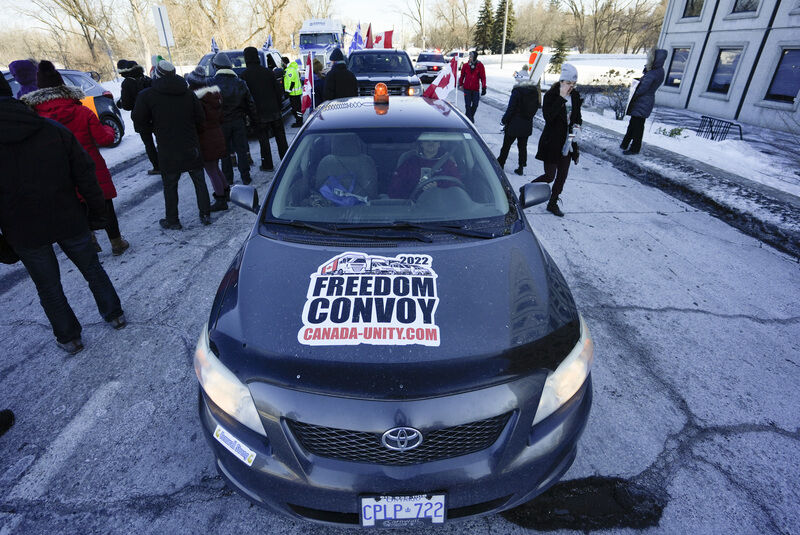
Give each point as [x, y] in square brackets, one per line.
[568, 73]
[48, 76]
[473, 53]
[251, 55]
[222, 61]
[5, 88]
[164, 68]
[197, 78]
[124, 65]
[24, 71]
[337, 55]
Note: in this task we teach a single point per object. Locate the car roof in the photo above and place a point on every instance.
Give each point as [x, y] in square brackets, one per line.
[402, 112]
[376, 51]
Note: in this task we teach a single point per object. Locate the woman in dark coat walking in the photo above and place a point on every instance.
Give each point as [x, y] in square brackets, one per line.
[518, 121]
[212, 140]
[644, 97]
[562, 123]
[54, 100]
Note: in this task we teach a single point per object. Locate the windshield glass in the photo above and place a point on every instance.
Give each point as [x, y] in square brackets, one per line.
[236, 57]
[388, 175]
[380, 62]
[318, 39]
[435, 58]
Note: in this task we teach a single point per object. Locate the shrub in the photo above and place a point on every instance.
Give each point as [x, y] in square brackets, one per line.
[615, 88]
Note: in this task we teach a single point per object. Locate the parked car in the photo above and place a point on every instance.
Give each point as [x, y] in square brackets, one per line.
[405, 397]
[392, 67]
[269, 59]
[429, 65]
[98, 99]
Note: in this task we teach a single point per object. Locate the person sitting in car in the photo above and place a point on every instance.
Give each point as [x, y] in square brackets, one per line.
[427, 162]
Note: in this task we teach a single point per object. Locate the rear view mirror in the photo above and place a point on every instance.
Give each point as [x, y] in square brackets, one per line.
[246, 197]
[532, 194]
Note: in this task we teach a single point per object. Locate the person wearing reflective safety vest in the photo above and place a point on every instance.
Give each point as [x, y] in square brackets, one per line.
[292, 85]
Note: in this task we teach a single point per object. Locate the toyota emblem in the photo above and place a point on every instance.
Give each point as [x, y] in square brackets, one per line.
[402, 438]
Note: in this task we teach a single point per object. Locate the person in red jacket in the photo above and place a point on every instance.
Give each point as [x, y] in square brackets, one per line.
[54, 100]
[472, 79]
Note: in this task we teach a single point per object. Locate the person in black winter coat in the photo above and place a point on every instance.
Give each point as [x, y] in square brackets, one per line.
[644, 97]
[340, 82]
[518, 121]
[237, 102]
[174, 114]
[134, 82]
[561, 108]
[268, 97]
[41, 167]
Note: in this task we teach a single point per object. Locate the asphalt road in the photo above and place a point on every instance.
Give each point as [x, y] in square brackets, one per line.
[695, 426]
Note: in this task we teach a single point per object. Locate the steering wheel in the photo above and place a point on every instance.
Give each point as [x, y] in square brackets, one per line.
[441, 179]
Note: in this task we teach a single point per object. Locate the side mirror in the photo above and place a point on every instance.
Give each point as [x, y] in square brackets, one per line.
[530, 194]
[246, 197]
[95, 75]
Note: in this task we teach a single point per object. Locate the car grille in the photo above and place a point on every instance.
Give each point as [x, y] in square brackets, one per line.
[367, 91]
[365, 447]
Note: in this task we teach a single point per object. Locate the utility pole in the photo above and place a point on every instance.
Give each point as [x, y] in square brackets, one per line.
[505, 28]
[422, 23]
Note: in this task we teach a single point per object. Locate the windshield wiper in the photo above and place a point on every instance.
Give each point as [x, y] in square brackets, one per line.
[338, 231]
[434, 227]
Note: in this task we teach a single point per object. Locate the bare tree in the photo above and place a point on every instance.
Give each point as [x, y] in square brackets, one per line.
[414, 12]
[317, 9]
[61, 16]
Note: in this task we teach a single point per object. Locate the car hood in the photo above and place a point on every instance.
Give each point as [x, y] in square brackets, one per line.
[385, 77]
[485, 312]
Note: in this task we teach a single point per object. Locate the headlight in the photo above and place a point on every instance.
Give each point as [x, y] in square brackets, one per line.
[222, 386]
[562, 384]
[412, 91]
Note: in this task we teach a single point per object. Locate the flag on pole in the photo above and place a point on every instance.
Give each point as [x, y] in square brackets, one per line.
[444, 83]
[368, 40]
[383, 40]
[267, 44]
[358, 41]
[307, 100]
[214, 47]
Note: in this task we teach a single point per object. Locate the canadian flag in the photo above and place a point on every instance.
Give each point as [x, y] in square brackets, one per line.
[383, 40]
[368, 40]
[444, 83]
[307, 100]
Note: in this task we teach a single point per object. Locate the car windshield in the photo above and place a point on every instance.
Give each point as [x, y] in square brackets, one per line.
[318, 39]
[388, 175]
[380, 62]
[236, 57]
[434, 58]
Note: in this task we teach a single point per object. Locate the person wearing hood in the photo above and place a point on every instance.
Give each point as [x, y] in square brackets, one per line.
[561, 108]
[174, 115]
[24, 72]
[472, 79]
[134, 82]
[268, 97]
[237, 102]
[62, 103]
[643, 99]
[212, 140]
[293, 86]
[39, 207]
[518, 121]
[340, 81]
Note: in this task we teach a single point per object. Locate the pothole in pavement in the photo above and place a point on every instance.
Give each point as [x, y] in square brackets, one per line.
[592, 503]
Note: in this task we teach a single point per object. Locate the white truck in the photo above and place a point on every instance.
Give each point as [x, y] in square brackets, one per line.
[321, 36]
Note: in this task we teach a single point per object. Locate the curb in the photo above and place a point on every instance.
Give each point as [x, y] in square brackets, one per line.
[773, 219]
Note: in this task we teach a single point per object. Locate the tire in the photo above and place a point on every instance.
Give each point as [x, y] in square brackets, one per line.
[116, 125]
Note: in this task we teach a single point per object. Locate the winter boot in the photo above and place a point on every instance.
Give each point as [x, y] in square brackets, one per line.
[266, 167]
[119, 245]
[553, 208]
[220, 203]
[205, 219]
[94, 241]
[519, 170]
[6, 420]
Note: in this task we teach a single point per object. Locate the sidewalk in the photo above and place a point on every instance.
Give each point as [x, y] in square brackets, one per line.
[761, 210]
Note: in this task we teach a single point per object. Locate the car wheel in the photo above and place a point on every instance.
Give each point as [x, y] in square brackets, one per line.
[116, 125]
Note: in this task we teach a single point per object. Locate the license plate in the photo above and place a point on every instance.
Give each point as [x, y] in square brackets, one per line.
[400, 511]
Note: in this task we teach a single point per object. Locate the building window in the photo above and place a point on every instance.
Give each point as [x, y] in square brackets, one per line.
[693, 8]
[786, 80]
[724, 70]
[745, 6]
[676, 67]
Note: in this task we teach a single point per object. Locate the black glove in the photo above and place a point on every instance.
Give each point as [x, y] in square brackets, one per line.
[483, 91]
[575, 153]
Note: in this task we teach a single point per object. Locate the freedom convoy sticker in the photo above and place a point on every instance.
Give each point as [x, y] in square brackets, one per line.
[356, 298]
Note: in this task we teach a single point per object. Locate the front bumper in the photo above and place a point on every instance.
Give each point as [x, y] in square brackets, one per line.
[522, 463]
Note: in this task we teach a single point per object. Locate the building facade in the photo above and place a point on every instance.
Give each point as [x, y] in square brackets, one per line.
[734, 59]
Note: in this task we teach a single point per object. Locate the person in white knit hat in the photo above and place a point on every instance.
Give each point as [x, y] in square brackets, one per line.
[561, 108]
